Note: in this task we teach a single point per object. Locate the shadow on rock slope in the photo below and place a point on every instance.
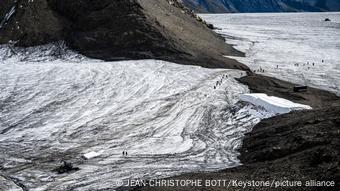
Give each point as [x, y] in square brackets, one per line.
[117, 30]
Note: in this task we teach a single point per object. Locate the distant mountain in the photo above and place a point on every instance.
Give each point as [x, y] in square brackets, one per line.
[223, 6]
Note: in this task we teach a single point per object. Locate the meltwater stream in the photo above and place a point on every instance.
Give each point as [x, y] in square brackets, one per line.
[168, 117]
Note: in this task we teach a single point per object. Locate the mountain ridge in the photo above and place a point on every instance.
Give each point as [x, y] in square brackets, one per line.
[248, 6]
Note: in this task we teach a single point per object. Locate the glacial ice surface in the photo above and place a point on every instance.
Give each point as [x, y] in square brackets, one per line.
[57, 105]
[286, 45]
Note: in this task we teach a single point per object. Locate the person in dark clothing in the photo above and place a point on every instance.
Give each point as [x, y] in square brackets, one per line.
[125, 153]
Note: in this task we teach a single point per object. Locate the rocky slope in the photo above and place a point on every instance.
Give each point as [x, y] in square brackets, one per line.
[225, 6]
[116, 30]
[316, 98]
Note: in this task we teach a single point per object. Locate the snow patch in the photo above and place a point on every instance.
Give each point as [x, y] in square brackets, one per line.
[92, 154]
[7, 16]
[273, 104]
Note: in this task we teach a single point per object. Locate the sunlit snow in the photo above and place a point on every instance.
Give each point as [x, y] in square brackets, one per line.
[272, 104]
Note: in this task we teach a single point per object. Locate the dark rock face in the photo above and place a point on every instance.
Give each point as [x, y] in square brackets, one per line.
[5, 7]
[32, 23]
[118, 29]
[306, 147]
[111, 29]
[319, 137]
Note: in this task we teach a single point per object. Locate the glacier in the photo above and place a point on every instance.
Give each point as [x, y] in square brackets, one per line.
[56, 105]
[296, 47]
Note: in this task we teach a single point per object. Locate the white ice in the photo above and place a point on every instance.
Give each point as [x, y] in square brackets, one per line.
[273, 104]
[168, 117]
[92, 154]
[284, 40]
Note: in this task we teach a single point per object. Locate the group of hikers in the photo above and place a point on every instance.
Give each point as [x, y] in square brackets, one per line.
[259, 70]
[296, 64]
[125, 153]
[313, 64]
[308, 64]
[219, 82]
